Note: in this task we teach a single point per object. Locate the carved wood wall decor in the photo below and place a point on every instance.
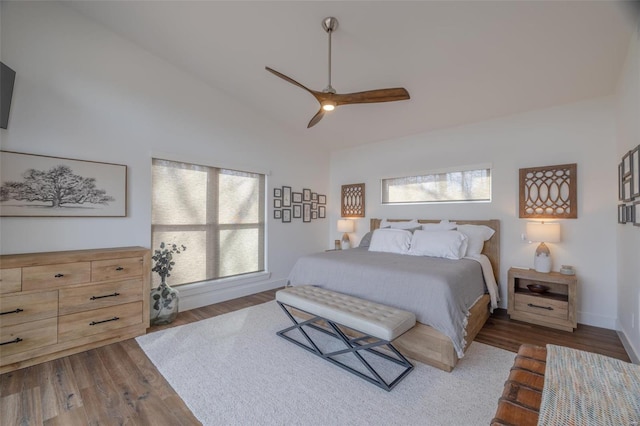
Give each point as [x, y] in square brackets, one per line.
[352, 200]
[549, 192]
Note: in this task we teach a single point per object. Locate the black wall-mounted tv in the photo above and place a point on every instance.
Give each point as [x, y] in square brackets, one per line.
[7, 78]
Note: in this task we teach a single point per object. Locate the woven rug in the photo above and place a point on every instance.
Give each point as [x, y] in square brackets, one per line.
[234, 370]
[583, 388]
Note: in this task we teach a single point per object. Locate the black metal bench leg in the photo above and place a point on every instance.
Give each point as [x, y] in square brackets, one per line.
[353, 346]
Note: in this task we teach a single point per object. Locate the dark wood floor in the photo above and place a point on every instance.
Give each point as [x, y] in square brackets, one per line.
[117, 384]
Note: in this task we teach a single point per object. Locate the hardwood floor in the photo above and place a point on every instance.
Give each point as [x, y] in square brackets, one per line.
[117, 384]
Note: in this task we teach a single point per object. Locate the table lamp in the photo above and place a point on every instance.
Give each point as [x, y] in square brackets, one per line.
[346, 226]
[543, 233]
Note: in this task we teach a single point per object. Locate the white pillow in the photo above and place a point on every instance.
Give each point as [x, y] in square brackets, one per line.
[442, 226]
[447, 244]
[390, 240]
[407, 224]
[477, 235]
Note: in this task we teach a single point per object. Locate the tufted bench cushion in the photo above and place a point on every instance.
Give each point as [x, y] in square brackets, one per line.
[375, 319]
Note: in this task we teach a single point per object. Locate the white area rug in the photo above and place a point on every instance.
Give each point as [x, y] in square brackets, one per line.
[234, 370]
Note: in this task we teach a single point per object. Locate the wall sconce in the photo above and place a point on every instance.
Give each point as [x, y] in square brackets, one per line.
[543, 233]
[346, 226]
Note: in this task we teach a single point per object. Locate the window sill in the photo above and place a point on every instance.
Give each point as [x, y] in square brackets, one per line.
[222, 283]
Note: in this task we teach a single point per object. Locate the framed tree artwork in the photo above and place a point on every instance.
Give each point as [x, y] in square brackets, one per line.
[39, 185]
[286, 196]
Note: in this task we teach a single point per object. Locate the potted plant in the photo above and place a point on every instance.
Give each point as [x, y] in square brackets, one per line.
[164, 299]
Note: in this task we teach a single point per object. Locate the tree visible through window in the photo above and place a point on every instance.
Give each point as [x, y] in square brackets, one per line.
[462, 185]
[218, 214]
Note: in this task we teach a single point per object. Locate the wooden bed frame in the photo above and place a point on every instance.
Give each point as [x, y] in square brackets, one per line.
[425, 344]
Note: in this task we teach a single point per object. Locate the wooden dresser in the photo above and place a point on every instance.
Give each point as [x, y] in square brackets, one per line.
[60, 303]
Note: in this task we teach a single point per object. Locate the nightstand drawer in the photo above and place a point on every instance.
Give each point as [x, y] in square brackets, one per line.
[97, 321]
[85, 298]
[541, 306]
[21, 308]
[53, 276]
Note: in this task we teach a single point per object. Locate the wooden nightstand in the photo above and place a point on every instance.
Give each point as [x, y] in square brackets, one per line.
[556, 308]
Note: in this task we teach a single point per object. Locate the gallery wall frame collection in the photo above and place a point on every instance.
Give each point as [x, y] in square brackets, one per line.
[43, 186]
[629, 187]
[306, 205]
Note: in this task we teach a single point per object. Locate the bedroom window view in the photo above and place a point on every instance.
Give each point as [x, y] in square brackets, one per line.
[452, 186]
[218, 214]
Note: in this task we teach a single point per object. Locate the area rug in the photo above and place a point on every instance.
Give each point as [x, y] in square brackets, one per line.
[234, 370]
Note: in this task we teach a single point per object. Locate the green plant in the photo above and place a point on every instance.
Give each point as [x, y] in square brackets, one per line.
[164, 259]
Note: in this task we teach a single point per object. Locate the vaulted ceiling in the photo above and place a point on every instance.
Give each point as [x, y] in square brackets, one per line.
[461, 61]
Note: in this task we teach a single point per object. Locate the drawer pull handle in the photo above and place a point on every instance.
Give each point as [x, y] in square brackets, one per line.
[119, 268]
[12, 312]
[59, 275]
[548, 308]
[106, 295]
[16, 340]
[107, 320]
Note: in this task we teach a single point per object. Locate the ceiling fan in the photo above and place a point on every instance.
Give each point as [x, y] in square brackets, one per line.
[329, 99]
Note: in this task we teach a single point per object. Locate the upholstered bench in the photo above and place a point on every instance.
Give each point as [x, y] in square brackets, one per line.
[375, 326]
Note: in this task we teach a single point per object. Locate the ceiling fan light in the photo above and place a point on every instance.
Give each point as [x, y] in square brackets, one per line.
[328, 106]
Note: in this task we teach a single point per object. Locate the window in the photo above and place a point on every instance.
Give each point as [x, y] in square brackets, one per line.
[218, 214]
[450, 186]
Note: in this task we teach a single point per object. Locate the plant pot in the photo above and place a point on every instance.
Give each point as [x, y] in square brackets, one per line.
[164, 304]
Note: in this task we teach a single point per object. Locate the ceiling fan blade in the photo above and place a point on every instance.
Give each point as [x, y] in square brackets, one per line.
[372, 96]
[316, 118]
[290, 80]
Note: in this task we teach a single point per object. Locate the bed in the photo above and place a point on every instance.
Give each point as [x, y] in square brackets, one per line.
[445, 327]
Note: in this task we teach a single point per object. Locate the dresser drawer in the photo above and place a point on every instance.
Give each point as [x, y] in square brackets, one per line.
[78, 299]
[10, 280]
[550, 308]
[54, 276]
[102, 270]
[98, 321]
[21, 308]
[27, 336]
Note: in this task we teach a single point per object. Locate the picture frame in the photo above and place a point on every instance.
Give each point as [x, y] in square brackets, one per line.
[277, 203]
[314, 205]
[629, 215]
[636, 213]
[306, 194]
[277, 214]
[620, 183]
[314, 214]
[322, 212]
[296, 197]
[286, 196]
[635, 172]
[277, 192]
[297, 211]
[627, 176]
[306, 212]
[97, 190]
[322, 199]
[286, 215]
[314, 196]
[622, 214]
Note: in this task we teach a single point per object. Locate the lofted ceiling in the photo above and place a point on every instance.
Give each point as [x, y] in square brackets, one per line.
[461, 61]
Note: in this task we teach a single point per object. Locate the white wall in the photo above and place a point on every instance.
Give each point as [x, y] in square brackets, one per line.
[581, 133]
[628, 247]
[83, 92]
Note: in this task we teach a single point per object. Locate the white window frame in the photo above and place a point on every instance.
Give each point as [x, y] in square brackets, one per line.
[214, 264]
[457, 169]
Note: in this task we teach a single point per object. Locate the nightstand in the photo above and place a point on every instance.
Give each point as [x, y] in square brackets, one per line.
[556, 308]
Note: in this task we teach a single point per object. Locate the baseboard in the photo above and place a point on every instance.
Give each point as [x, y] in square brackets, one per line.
[197, 298]
[596, 320]
[634, 355]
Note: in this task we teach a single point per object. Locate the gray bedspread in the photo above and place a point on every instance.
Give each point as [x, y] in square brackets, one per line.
[438, 291]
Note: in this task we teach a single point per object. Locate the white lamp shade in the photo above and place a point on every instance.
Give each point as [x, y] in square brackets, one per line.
[543, 232]
[345, 225]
